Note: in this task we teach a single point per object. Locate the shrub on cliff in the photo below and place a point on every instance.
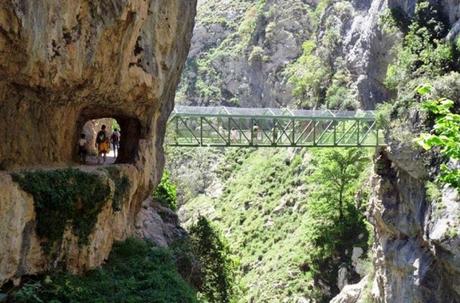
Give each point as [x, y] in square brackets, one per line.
[166, 192]
[424, 51]
[445, 137]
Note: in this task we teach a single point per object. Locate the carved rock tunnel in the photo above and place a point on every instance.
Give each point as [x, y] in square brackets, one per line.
[131, 127]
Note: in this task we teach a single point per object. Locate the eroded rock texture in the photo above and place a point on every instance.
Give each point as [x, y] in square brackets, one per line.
[63, 63]
[417, 243]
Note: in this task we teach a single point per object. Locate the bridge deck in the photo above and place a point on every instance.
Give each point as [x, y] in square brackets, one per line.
[272, 127]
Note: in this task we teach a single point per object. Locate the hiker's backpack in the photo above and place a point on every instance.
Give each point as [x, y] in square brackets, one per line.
[115, 138]
[101, 137]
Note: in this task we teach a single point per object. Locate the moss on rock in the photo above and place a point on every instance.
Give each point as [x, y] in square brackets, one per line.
[62, 198]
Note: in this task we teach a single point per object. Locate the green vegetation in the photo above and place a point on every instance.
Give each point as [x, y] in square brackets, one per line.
[235, 36]
[423, 52]
[309, 75]
[320, 77]
[115, 125]
[282, 223]
[122, 186]
[166, 192]
[335, 214]
[445, 138]
[63, 197]
[338, 171]
[203, 74]
[135, 272]
[425, 56]
[218, 266]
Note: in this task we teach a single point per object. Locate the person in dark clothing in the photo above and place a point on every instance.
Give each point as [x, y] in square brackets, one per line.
[82, 148]
[115, 139]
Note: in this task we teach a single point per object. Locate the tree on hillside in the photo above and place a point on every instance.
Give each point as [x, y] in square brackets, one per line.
[217, 264]
[334, 225]
[337, 173]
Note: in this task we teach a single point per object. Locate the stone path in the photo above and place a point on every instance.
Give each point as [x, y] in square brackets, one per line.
[92, 160]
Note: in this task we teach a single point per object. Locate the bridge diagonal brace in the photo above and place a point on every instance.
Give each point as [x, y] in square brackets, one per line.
[184, 123]
[370, 129]
[268, 135]
[287, 134]
[217, 131]
[240, 130]
[346, 133]
[303, 132]
[313, 132]
[318, 140]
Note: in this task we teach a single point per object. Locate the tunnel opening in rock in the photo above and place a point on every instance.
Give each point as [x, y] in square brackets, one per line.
[127, 129]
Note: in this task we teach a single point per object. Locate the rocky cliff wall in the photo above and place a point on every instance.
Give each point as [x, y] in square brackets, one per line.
[240, 52]
[417, 242]
[23, 252]
[63, 63]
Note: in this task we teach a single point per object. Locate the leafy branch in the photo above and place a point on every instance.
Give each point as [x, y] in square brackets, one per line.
[445, 136]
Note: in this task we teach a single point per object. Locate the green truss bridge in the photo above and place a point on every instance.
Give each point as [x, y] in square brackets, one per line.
[272, 127]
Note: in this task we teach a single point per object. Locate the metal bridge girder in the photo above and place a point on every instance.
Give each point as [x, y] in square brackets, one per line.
[229, 127]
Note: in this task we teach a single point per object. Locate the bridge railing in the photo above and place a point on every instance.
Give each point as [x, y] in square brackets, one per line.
[194, 126]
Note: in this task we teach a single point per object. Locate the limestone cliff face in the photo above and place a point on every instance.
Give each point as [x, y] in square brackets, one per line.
[21, 250]
[417, 244]
[362, 48]
[240, 52]
[63, 63]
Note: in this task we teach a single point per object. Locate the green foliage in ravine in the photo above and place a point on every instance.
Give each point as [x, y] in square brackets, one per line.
[424, 51]
[335, 218]
[135, 272]
[320, 77]
[218, 265]
[273, 212]
[444, 138]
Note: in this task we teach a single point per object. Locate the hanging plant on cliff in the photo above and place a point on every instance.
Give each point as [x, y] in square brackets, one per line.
[445, 136]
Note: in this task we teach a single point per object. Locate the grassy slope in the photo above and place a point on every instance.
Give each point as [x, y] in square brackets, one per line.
[263, 211]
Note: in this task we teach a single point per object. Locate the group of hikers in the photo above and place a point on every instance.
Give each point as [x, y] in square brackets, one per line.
[102, 144]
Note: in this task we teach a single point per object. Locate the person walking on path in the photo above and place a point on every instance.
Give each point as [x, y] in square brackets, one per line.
[102, 144]
[82, 148]
[115, 139]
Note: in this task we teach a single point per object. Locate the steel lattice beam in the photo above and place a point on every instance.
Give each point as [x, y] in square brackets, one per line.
[239, 127]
